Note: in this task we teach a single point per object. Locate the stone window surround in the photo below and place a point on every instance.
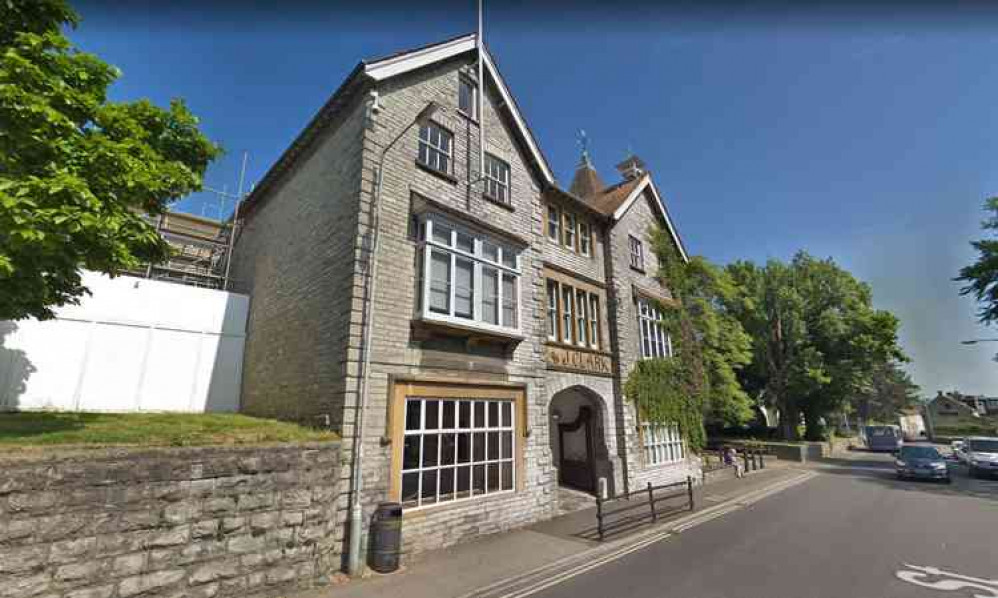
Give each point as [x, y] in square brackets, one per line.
[428, 388]
[592, 291]
[472, 445]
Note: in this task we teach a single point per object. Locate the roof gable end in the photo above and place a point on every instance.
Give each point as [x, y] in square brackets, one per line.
[646, 183]
[398, 64]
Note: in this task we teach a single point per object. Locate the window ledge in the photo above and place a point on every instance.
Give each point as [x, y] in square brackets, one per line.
[636, 269]
[470, 329]
[673, 465]
[443, 175]
[492, 200]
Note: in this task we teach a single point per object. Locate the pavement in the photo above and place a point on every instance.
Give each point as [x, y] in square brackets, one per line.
[528, 559]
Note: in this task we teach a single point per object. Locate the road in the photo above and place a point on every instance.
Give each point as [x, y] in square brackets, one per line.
[843, 534]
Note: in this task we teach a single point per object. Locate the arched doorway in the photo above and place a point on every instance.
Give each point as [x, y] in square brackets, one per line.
[578, 447]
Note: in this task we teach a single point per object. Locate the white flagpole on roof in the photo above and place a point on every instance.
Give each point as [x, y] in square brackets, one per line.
[481, 93]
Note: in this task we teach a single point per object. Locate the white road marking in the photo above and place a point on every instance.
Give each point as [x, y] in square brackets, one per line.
[948, 581]
[697, 519]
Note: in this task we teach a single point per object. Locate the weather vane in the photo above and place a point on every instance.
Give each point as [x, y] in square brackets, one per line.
[583, 142]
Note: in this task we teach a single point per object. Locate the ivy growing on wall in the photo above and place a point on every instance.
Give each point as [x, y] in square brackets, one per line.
[708, 347]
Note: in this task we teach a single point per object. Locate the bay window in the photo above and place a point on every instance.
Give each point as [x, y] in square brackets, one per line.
[655, 341]
[468, 278]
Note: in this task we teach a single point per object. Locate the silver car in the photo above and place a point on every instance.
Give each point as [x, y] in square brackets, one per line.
[981, 454]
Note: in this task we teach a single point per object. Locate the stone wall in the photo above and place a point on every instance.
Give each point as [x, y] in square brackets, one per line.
[209, 522]
[295, 258]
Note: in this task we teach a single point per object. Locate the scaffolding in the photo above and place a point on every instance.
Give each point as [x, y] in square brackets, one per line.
[200, 246]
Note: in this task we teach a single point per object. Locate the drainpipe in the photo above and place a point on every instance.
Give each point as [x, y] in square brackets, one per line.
[356, 510]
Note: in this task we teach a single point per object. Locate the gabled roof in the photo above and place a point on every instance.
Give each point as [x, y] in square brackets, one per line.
[369, 71]
[405, 62]
[615, 200]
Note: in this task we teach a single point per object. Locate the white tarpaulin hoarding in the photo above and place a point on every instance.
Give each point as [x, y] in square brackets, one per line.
[133, 345]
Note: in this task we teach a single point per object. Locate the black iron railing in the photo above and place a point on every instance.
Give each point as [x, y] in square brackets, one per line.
[623, 512]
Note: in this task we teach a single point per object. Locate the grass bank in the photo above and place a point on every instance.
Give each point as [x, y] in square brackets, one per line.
[41, 429]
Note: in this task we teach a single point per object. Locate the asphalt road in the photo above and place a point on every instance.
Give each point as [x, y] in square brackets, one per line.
[846, 533]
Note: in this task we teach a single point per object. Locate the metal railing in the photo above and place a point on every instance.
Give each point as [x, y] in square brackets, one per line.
[752, 459]
[646, 507]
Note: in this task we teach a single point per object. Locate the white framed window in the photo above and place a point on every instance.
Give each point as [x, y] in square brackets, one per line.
[554, 224]
[567, 311]
[569, 226]
[468, 278]
[637, 253]
[456, 449]
[435, 147]
[662, 443]
[581, 317]
[496, 179]
[594, 321]
[655, 341]
[467, 98]
[552, 287]
[585, 238]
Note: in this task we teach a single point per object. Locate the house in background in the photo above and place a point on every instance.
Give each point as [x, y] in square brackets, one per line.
[506, 310]
[954, 414]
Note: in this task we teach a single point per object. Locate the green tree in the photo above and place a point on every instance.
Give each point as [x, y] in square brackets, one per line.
[891, 391]
[78, 172]
[817, 340]
[709, 346]
[982, 276]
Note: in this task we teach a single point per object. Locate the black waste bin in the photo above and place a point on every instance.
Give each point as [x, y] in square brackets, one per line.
[386, 537]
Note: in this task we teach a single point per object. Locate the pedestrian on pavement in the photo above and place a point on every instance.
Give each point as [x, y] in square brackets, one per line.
[731, 458]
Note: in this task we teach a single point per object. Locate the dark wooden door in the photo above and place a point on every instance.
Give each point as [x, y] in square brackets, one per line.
[576, 448]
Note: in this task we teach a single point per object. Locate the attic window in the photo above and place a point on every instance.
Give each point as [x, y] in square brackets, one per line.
[435, 147]
[467, 98]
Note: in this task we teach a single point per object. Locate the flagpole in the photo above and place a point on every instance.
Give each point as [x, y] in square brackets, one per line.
[481, 94]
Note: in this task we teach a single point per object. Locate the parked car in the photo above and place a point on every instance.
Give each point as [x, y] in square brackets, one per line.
[921, 461]
[982, 455]
[883, 438]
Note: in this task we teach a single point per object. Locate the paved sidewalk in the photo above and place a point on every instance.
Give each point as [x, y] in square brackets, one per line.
[489, 561]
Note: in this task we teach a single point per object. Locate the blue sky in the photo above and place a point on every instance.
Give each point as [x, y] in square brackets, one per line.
[868, 138]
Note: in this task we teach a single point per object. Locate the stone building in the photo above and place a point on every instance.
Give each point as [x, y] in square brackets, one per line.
[506, 311]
